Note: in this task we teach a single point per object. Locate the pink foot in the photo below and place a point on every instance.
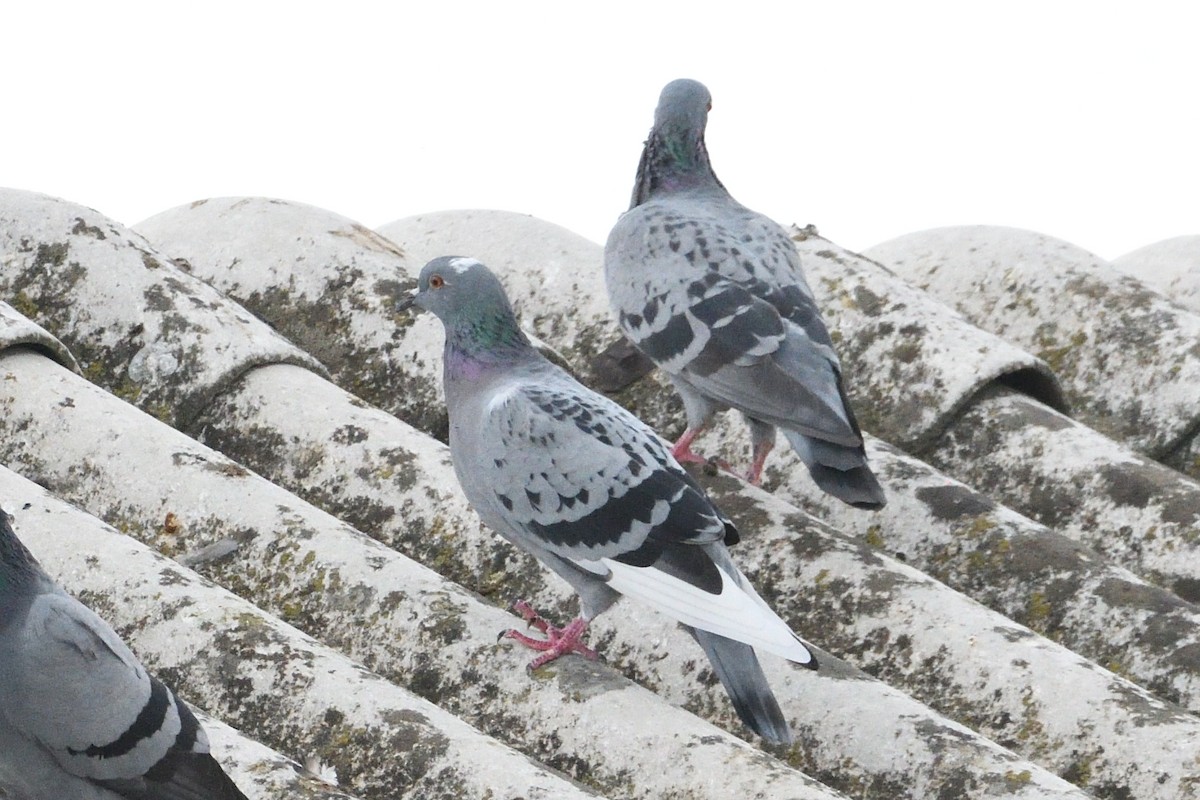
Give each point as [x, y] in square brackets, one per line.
[558, 641]
[682, 451]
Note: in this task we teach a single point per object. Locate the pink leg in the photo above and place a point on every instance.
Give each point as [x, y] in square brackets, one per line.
[558, 641]
[682, 451]
[760, 457]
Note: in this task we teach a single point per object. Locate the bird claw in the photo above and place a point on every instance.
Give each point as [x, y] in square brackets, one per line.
[709, 464]
[531, 617]
[686, 456]
[558, 641]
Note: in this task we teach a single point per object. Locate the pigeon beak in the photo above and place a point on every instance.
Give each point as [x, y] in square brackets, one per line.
[406, 302]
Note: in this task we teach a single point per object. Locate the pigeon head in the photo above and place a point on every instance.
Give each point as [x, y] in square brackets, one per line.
[470, 301]
[682, 112]
[675, 157]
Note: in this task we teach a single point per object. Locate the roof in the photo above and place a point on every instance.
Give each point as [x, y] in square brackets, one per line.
[1018, 621]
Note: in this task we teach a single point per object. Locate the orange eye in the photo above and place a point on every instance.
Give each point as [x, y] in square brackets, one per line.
[436, 281]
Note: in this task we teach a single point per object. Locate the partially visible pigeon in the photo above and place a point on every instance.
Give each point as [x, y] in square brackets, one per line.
[713, 293]
[80, 718]
[593, 493]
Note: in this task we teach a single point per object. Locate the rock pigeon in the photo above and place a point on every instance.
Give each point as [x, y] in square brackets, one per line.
[80, 718]
[714, 294]
[593, 493]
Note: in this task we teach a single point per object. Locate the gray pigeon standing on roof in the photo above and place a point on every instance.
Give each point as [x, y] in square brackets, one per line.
[713, 293]
[80, 718]
[593, 493]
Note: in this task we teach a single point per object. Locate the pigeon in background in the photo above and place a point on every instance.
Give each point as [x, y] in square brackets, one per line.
[583, 485]
[80, 718]
[714, 294]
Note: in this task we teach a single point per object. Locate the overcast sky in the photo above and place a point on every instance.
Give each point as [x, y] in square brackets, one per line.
[869, 120]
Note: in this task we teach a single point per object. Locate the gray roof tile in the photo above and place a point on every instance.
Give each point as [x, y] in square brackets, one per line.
[1128, 357]
[1171, 266]
[329, 285]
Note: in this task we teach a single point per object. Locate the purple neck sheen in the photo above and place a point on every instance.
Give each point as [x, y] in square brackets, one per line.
[483, 345]
[461, 365]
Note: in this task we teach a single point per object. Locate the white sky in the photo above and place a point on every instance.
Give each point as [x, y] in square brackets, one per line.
[869, 120]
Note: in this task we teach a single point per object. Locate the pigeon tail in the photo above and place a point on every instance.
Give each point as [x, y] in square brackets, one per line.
[737, 667]
[840, 471]
[186, 776]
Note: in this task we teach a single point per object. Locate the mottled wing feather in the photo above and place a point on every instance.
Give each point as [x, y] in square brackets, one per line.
[595, 486]
[724, 305]
[586, 478]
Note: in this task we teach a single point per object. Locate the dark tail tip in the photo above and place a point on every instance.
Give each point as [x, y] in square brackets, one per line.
[737, 667]
[839, 470]
[857, 487]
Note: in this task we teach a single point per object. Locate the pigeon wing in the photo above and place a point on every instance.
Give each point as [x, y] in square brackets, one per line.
[592, 484]
[583, 477]
[731, 314]
[78, 690]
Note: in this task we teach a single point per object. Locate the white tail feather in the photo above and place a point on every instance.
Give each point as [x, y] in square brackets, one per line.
[737, 613]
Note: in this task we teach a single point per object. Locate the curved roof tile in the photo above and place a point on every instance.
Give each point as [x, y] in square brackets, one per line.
[154, 333]
[1128, 357]
[330, 284]
[1171, 266]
